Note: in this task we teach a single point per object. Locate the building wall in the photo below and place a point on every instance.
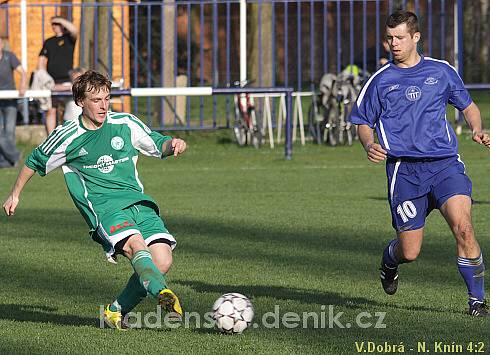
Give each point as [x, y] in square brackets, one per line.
[39, 29]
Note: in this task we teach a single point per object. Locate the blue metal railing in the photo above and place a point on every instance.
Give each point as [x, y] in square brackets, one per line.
[306, 38]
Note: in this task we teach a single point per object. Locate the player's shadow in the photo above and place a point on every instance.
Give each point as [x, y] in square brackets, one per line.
[300, 295]
[476, 202]
[41, 314]
[282, 293]
[225, 140]
[378, 198]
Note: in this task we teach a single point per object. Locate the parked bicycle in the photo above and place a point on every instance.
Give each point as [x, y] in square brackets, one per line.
[247, 127]
[328, 116]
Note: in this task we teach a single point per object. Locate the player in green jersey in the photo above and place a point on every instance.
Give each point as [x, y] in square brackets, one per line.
[98, 153]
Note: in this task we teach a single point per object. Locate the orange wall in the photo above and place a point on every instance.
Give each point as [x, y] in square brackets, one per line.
[35, 30]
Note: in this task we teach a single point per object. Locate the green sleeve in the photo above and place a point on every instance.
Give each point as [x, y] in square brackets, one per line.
[37, 161]
[159, 139]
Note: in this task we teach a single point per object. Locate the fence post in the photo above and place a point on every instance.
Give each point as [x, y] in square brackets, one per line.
[23, 28]
[243, 42]
[458, 51]
[288, 146]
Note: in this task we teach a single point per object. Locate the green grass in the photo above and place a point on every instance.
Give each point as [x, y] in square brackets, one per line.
[297, 234]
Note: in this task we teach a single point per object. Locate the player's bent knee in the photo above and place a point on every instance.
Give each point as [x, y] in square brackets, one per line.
[410, 255]
[164, 265]
[162, 256]
[134, 244]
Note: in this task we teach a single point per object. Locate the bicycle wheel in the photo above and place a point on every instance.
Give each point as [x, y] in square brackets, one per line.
[256, 129]
[333, 126]
[239, 129]
[350, 138]
[256, 139]
[240, 135]
[315, 127]
[351, 129]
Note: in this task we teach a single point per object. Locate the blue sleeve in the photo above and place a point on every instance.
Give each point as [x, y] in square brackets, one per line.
[367, 108]
[459, 97]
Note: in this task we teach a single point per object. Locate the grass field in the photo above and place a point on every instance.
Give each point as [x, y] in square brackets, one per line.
[295, 236]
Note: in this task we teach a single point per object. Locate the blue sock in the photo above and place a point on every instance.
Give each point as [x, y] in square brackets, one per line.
[389, 255]
[472, 270]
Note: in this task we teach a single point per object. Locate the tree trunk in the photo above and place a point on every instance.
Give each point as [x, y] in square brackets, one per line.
[103, 55]
[260, 57]
[484, 46]
[86, 56]
[168, 52]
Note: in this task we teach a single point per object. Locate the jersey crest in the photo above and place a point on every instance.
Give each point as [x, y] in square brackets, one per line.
[413, 93]
[117, 143]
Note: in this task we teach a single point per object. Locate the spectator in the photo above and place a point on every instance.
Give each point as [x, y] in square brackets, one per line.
[9, 155]
[57, 58]
[386, 53]
[72, 110]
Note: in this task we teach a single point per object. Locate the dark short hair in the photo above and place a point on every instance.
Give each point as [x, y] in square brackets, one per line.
[54, 20]
[402, 16]
[91, 81]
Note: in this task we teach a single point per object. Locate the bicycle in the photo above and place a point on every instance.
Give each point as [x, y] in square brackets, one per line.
[323, 124]
[346, 97]
[246, 128]
[328, 115]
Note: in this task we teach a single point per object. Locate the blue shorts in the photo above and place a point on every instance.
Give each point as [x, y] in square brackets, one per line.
[417, 186]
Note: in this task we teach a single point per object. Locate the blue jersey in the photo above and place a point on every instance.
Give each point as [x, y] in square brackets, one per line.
[407, 107]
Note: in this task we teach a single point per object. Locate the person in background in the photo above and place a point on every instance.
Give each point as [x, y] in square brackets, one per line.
[56, 57]
[9, 154]
[386, 53]
[72, 110]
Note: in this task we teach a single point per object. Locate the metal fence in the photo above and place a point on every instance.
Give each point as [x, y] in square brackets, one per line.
[272, 43]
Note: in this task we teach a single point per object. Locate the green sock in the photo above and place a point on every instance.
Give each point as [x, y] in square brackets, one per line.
[129, 298]
[149, 276]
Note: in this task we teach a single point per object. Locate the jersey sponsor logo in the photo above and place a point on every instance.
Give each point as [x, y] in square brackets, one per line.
[82, 152]
[120, 226]
[413, 93]
[117, 143]
[431, 81]
[393, 87]
[105, 164]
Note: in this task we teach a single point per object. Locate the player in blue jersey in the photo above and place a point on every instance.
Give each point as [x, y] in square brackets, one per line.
[405, 102]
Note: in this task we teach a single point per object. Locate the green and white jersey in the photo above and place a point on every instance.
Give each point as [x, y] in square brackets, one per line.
[99, 165]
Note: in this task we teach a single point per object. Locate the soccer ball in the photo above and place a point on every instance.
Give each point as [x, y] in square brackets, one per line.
[232, 313]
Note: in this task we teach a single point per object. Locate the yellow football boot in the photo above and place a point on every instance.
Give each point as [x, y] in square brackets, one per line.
[114, 319]
[169, 301]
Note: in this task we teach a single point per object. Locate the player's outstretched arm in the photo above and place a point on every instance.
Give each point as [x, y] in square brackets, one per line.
[174, 147]
[473, 118]
[375, 152]
[12, 200]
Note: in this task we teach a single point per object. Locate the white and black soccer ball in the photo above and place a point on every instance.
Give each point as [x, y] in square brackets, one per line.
[232, 313]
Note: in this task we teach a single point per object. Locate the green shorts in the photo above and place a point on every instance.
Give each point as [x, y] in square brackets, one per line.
[140, 218]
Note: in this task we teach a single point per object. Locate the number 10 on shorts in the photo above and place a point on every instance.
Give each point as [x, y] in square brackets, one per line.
[406, 210]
